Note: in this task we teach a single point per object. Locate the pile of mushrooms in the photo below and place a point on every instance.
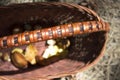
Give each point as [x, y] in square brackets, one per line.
[22, 58]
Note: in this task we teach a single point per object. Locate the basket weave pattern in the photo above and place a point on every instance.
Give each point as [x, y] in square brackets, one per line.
[83, 51]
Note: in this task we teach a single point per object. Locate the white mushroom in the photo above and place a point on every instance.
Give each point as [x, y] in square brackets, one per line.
[51, 50]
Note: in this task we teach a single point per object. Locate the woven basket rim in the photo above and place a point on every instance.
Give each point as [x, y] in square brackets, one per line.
[87, 65]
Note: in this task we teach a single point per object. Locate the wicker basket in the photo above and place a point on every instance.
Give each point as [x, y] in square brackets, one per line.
[85, 49]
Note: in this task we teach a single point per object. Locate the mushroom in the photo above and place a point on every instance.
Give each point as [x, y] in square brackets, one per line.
[55, 51]
[30, 54]
[18, 59]
[5, 57]
[51, 50]
[17, 29]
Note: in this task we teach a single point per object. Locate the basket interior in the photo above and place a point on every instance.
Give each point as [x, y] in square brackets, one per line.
[84, 49]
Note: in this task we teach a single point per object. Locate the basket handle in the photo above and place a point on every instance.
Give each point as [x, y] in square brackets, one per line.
[53, 33]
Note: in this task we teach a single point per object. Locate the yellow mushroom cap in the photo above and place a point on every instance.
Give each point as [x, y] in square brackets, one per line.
[17, 50]
[30, 54]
